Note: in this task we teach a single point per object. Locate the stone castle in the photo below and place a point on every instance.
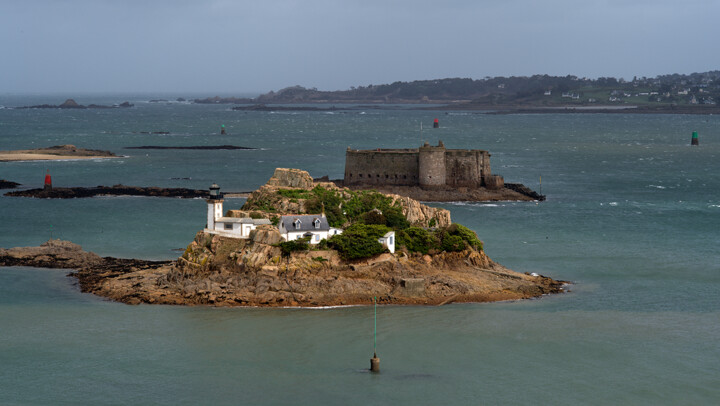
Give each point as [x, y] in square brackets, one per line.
[429, 167]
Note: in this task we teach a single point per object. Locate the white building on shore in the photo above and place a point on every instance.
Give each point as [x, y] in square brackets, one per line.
[314, 226]
[235, 227]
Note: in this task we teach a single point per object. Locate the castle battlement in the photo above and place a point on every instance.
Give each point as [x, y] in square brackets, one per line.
[429, 166]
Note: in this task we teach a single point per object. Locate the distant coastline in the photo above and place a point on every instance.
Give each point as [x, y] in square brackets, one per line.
[696, 93]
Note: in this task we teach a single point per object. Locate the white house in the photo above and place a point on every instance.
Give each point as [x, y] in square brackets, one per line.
[388, 241]
[314, 226]
[227, 226]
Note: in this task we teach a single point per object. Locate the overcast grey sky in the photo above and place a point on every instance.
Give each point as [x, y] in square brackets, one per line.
[235, 46]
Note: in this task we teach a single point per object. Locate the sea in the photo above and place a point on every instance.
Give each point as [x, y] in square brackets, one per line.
[631, 222]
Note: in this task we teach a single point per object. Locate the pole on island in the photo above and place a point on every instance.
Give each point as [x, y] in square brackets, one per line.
[694, 140]
[541, 184]
[375, 361]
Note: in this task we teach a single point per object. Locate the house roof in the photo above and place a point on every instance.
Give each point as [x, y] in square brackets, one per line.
[306, 222]
[242, 220]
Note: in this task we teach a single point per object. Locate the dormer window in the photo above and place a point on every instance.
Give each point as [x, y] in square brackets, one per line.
[316, 223]
[297, 224]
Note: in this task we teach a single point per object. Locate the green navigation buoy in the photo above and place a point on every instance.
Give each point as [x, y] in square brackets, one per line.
[222, 129]
[694, 139]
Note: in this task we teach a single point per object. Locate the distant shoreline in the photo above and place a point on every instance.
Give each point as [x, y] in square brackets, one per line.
[349, 106]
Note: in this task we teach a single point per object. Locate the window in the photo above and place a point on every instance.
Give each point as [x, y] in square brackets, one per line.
[297, 224]
[317, 237]
[228, 226]
[317, 223]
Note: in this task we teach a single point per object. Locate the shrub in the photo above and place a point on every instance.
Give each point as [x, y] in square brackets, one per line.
[374, 217]
[466, 234]
[451, 243]
[359, 241]
[417, 239]
[294, 193]
[288, 247]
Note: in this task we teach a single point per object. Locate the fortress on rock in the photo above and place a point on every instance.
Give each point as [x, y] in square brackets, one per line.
[429, 167]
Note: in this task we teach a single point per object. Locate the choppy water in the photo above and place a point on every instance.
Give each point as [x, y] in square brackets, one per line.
[632, 218]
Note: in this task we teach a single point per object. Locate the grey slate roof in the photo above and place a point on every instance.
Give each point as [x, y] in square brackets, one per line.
[306, 222]
[242, 220]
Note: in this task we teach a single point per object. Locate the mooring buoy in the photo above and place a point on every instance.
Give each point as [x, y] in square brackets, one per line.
[375, 361]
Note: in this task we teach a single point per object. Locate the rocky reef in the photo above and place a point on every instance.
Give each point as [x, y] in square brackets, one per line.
[116, 190]
[72, 104]
[7, 184]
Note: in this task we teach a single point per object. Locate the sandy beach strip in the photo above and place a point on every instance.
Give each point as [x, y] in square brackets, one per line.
[6, 156]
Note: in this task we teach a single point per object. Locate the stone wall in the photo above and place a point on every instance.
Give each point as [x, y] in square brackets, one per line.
[381, 167]
[466, 167]
[428, 167]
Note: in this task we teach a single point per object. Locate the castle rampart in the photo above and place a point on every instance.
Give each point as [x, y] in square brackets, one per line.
[429, 167]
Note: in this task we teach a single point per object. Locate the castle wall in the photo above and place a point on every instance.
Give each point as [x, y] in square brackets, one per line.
[381, 167]
[427, 166]
[466, 167]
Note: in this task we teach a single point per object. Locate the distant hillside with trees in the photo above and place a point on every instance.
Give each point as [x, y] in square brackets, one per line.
[529, 91]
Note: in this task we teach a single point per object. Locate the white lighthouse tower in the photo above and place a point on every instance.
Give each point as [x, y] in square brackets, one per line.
[215, 206]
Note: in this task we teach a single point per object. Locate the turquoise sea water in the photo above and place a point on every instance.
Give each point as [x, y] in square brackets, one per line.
[632, 219]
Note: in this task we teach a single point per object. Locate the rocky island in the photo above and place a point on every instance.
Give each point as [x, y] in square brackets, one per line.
[115, 190]
[433, 261]
[72, 104]
[54, 153]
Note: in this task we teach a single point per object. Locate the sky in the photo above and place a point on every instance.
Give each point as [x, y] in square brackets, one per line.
[238, 46]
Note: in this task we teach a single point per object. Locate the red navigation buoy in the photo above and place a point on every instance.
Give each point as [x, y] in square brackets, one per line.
[436, 123]
[48, 181]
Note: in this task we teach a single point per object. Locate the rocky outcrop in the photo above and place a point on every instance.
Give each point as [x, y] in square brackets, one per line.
[116, 190]
[200, 147]
[510, 192]
[420, 214]
[91, 269]
[267, 198]
[222, 271]
[291, 178]
[72, 104]
[6, 184]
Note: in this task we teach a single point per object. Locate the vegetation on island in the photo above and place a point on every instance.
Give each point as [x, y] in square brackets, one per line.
[365, 217]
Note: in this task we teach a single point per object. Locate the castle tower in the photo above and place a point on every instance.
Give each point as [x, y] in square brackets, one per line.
[431, 165]
[215, 206]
